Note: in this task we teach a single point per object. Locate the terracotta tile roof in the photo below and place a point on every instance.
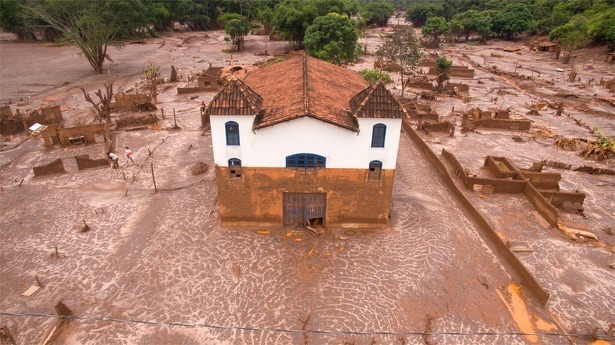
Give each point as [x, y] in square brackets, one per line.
[305, 86]
[235, 98]
[377, 102]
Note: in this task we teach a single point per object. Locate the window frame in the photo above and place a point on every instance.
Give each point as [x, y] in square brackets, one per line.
[234, 168]
[379, 132]
[306, 161]
[374, 171]
[232, 136]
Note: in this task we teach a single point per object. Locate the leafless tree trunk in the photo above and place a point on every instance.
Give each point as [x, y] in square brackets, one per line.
[103, 106]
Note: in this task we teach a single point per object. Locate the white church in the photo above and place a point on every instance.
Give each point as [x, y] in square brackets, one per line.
[304, 142]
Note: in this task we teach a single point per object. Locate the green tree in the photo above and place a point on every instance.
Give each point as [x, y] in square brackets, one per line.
[401, 49]
[420, 12]
[436, 27]
[484, 25]
[265, 16]
[195, 14]
[375, 75]
[376, 13]
[91, 25]
[331, 38]
[14, 18]
[571, 36]
[443, 68]
[237, 27]
[512, 20]
[292, 17]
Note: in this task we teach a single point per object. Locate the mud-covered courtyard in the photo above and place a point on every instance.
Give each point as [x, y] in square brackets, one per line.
[155, 267]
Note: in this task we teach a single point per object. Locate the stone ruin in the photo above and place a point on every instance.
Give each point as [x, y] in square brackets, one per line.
[207, 81]
[499, 119]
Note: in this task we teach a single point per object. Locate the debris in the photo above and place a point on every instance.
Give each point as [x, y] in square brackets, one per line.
[199, 168]
[317, 231]
[264, 232]
[6, 337]
[567, 144]
[341, 249]
[575, 232]
[298, 239]
[310, 252]
[595, 171]
[31, 290]
[521, 249]
[559, 70]
[86, 227]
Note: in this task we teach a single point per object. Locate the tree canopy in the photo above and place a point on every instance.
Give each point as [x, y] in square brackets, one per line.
[90, 25]
[376, 13]
[331, 38]
[237, 27]
[292, 17]
[420, 12]
[435, 27]
[512, 20]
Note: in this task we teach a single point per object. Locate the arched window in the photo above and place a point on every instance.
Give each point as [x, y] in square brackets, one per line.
[375, 170]
[378, 134]
[232, 133]
[234, 167]
[306, 160]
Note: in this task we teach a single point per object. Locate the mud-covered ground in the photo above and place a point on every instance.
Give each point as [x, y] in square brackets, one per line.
[156, 268]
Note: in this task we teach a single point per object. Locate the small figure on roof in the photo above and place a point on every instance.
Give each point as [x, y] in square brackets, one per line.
[114, 160]
[203, 106]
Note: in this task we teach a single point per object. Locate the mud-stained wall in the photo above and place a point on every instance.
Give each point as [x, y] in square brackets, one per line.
[559, 199]
[55, 167]
[5, 111]
[542, 206]
[84, 162]
[255, 199]
[489, 233]
[87, 131]
[493, 185]
[521, 125]
[185, 90]
[543, 180]
[52, 114]
[455, 71]
[130, 101]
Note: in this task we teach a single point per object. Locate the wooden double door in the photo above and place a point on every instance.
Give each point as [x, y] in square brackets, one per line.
[305, 208]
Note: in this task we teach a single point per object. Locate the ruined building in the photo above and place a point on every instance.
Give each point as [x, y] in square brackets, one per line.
[304, 142]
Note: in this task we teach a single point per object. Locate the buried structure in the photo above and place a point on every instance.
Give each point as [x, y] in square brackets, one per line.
[304, 142]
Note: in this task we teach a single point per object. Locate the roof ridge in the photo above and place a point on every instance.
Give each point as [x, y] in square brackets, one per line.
[244, 98]
[366, 98]
[371, 91]
[306, 100]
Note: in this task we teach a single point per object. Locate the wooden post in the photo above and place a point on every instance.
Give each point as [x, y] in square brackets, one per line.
[38, 282]
[162, 111]
[20, 183]
[149, 152]
[57, 255]
[153, 177]
[174, 119]
[126, 192]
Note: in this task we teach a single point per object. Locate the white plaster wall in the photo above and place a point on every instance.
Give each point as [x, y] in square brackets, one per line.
[269, 146]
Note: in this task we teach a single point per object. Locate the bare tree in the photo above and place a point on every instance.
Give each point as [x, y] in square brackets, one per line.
[151, 75]
[103, 105]
[401, 49]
